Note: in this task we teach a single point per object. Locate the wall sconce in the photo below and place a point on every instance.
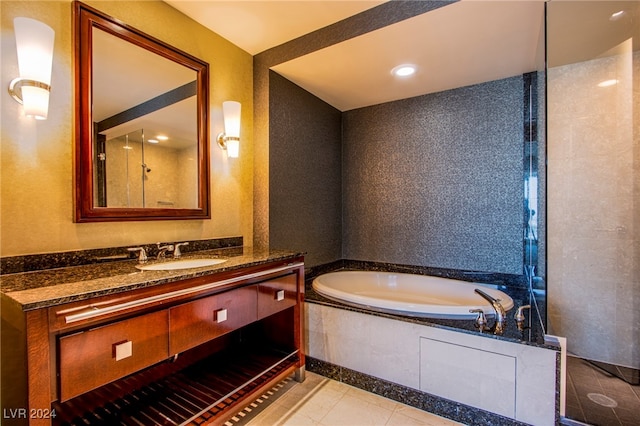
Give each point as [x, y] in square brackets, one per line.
[229, 140]
[34, 43]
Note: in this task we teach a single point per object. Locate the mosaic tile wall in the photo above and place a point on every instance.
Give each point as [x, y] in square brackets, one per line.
[305, 208]
[436, 180]
[264, 146]
[432, 181]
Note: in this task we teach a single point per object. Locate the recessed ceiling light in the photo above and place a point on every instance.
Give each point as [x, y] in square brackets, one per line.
[608, 83]
[162, 137]
[615, 16]
[152, 140]
[404, 70]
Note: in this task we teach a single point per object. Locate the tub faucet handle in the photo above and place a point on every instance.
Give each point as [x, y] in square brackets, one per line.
[481, 320]
[519, 316]
[142, 257]
[176, 251]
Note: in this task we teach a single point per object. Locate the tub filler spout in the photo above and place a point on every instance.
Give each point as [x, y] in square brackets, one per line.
[498, 327]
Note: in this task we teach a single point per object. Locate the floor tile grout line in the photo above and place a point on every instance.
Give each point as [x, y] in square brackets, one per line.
[362, 400]
[581, 414]
[605, 384]
[577, 398]
[308, 396]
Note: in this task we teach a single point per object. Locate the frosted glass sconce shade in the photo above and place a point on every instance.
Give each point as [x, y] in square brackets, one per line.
[34, 44]
[230, 138]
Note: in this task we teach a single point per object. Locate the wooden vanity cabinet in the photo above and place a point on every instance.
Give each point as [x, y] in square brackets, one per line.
[276, 295]
[250, 319]
[194, 323]
[95, 357]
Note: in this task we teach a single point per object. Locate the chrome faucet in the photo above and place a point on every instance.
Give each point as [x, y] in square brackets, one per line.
[177, 253]
[162, 250]
[142, 257]
[498, 327]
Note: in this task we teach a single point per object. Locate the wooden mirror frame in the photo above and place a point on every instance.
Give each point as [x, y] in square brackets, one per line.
[85, 20]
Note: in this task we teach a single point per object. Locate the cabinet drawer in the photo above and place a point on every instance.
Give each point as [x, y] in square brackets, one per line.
[95, 357]
[277, 295]
[202, 320]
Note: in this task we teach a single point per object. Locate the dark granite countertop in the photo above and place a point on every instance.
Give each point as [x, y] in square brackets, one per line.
[50, 287]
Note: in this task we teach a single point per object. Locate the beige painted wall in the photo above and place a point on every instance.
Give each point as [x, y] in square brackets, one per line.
[36, 179]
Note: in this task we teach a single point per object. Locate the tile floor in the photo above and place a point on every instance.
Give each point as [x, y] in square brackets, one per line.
[319, 401]
[596, 397]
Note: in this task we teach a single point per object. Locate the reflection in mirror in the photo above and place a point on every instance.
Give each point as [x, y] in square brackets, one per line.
[144, 168]
[142, 144]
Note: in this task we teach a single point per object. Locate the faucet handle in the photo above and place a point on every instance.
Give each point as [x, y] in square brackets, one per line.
[163, 249]
[176, 251]
[519, 316]
[481, 320]
[167, 247]
[142, 257]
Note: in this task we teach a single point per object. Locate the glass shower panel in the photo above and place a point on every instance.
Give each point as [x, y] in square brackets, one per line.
[593, 223]
[535, 185]
[125, 170]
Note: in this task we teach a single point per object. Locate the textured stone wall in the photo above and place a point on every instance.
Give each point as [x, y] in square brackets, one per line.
[436, 180]
[305, 210]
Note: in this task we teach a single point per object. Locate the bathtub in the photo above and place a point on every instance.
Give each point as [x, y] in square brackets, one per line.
[407, 294]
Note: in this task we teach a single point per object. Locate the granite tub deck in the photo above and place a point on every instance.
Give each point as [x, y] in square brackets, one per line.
[532, 334]
[51, 287]
[446, 367]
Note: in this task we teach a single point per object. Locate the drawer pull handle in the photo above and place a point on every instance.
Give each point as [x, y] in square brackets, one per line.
[122, 350]
[280, 295]
[221, 315]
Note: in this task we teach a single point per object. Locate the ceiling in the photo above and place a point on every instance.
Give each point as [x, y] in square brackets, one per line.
[457, 45]
[464, 43]
[460, 44]
[594, 30]
[258, 25]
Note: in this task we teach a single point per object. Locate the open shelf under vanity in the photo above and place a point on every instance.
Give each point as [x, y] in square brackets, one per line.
[183, 392]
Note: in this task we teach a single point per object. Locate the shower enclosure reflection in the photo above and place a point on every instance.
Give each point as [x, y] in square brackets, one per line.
[142, 169]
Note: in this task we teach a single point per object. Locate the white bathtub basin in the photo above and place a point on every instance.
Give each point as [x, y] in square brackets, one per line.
[408, 294]
[180, 264]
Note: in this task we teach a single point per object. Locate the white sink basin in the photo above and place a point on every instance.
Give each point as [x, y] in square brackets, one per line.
[180, 264]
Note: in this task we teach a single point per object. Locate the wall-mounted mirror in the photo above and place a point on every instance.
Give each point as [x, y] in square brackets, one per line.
[142, 135]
